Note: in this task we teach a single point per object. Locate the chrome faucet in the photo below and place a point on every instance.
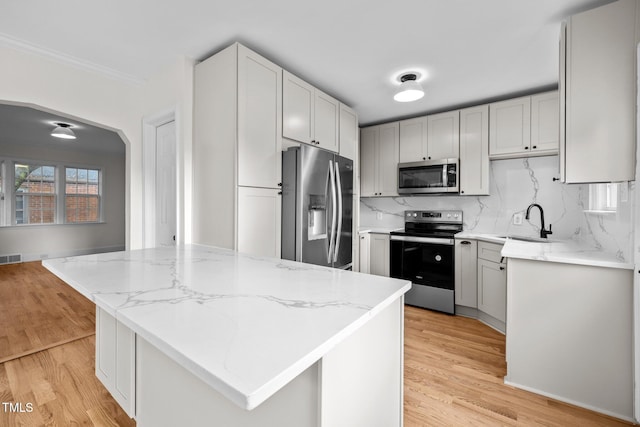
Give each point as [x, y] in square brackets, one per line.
[543, 233]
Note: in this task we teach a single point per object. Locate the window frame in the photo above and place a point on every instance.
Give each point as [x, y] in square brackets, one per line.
[7, 206]
[63, 185]
[15, 194]
[604, 198]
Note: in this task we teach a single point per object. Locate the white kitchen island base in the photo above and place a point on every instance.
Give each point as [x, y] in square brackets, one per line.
[216, 337]
[358, 383]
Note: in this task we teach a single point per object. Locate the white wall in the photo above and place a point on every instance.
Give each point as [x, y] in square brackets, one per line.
[86, 95]
[36, 242]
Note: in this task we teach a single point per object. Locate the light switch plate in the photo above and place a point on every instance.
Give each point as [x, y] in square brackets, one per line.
[517, 218]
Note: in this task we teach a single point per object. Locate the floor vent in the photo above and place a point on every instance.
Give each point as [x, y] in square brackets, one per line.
[10, 259]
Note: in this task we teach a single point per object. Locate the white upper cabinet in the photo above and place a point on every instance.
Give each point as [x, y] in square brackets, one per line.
[598, 84]
[348, 135]
[510, 126]
[430, 137]
[327, 113]
[526, 126]
[388, 150]
[545, 122]
[413, 140]
[443, 135]
[379, 151]
[369, 137]
[297, 108]
[259, 120]
[474, 151]
[309, 115]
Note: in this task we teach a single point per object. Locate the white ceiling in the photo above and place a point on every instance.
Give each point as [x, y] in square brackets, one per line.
[471, 50]
[30, 127]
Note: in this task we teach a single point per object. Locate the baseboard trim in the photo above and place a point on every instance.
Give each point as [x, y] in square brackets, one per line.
[569, 401]
[72, 252]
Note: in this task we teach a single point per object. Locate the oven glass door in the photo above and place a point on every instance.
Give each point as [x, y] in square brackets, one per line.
[429, 264]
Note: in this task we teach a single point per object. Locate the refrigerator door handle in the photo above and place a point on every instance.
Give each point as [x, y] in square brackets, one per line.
[333, 213]
[339, 231]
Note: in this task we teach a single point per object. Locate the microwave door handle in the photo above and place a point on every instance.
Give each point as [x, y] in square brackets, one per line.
[333, 212]
[339, 231]
[444, 176]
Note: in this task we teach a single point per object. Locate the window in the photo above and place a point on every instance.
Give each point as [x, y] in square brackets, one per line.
[603, 197]
[82, 195]
[34, 194]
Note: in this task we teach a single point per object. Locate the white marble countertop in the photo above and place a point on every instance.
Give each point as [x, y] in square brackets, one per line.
[491, 238]
[377, 230]
[568, 252]
[244, 325]
[564, 251]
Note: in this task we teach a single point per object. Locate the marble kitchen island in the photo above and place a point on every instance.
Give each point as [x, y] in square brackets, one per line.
[197, 335]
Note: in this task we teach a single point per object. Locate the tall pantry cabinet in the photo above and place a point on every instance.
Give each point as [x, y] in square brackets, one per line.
[237, 152]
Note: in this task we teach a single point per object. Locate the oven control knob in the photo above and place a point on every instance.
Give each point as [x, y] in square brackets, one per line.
[438, 258]
[409, 214]
[448, 215]
[415, 215]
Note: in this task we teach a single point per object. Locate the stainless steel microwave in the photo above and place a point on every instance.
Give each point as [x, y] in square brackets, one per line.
[428, 177]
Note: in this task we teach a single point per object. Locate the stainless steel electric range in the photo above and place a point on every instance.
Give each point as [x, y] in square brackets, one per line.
[424, 254]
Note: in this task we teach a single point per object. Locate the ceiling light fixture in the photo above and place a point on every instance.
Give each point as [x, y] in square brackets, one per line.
[410, 90]
[63, 130]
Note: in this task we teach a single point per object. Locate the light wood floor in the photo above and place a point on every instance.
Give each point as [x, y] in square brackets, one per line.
[47, 354]
[454, 369]
[453, 366]
[38, 311]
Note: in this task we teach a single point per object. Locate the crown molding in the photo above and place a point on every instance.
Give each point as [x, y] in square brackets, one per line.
[21, 45]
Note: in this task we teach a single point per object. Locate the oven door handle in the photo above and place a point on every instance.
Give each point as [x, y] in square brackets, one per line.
[449, 242]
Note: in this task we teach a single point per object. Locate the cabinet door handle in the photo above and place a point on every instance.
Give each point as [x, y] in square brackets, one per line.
[279, 192]
[279, 184]
[526, 148]
[534, 147]
[501, 268]
[465, 242]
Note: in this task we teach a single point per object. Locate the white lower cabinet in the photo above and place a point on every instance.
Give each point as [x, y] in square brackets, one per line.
[492, 289]
[492, 283]
[379, 255]
[259, 213]
[364, 253]
[115, 359]
[481, 282]
[466, 273]
[374, 254]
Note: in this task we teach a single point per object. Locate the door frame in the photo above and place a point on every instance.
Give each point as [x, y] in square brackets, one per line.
[150, 124]
[636, 255]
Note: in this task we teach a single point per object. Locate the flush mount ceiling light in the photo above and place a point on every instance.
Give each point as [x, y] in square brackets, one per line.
[63, 130]
[409, 90]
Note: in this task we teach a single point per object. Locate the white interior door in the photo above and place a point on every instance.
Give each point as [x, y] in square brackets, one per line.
[166, 208]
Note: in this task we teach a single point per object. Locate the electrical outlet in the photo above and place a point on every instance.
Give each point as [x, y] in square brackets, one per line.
[379, 215]
[517, 218]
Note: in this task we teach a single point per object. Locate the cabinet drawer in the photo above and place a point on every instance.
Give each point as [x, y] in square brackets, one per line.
[489, 251]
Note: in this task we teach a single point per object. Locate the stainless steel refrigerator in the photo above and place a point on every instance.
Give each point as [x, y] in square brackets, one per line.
[317, 207]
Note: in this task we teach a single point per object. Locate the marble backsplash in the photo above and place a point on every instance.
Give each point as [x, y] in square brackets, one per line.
[514, 185]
